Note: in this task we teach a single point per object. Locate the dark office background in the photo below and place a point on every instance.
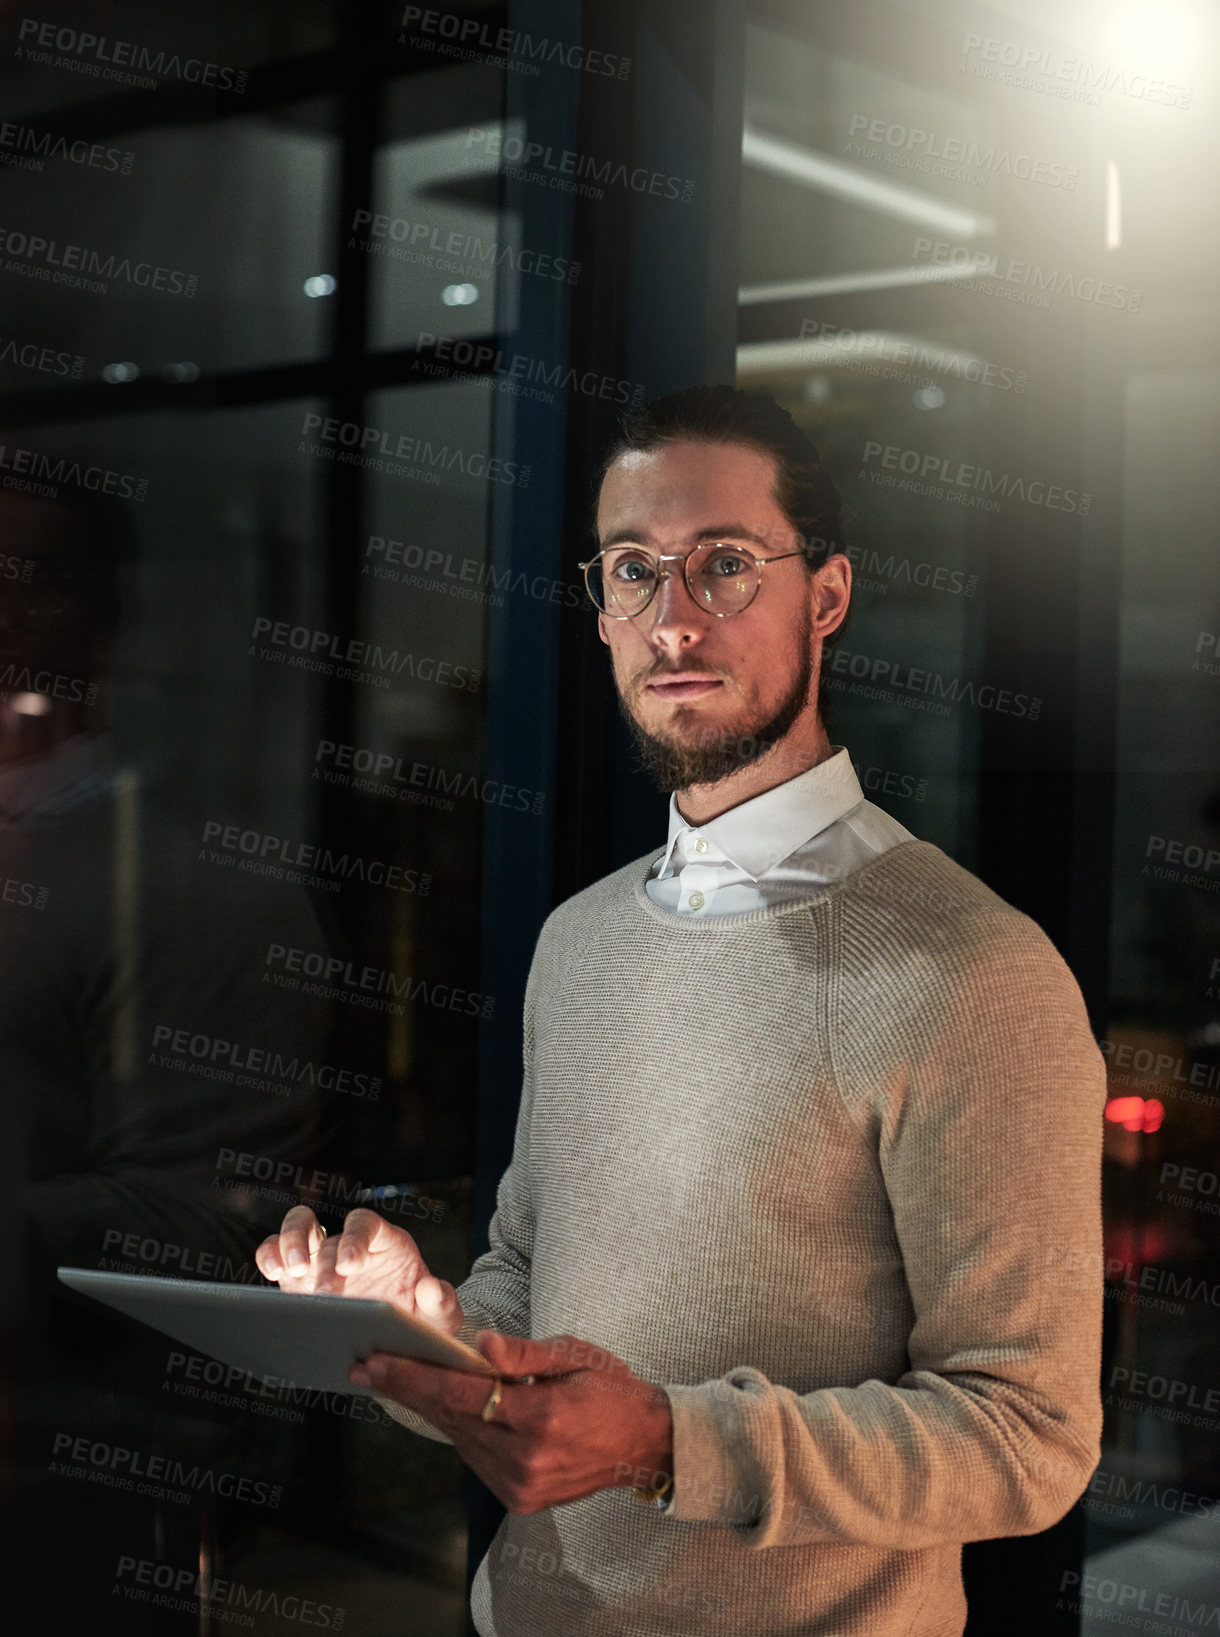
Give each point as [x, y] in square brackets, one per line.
[354, 334]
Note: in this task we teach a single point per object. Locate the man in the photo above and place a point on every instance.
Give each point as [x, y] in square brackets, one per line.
[809, 1119]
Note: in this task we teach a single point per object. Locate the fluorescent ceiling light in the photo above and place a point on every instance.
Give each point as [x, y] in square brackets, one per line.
[850, 347]
[859, 186]
[846, 284]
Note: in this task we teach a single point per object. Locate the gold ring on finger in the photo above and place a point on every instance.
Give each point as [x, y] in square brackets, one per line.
[493, 1402]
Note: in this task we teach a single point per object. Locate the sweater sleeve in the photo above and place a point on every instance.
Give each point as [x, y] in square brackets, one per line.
[496, 1293]
[989, 1144]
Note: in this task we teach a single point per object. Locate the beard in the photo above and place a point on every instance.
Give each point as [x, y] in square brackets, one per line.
[676, 761]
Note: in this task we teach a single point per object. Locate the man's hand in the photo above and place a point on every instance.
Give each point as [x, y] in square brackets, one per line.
[369, 1258]
[585, 1423]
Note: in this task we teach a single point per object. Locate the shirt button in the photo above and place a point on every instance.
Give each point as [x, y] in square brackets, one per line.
[701, 845]
[695, 900]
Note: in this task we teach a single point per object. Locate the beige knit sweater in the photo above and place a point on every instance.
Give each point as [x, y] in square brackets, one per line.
[818, 1169]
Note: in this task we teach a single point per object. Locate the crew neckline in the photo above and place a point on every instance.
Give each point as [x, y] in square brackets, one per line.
[768, 912]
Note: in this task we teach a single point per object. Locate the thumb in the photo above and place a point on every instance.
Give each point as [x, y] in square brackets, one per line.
[437, 1302]
[519, 1356]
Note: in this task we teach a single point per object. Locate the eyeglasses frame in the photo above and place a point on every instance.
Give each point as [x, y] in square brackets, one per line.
[684, 557]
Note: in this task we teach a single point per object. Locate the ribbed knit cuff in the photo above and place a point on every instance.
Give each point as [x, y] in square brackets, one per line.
[414, 1423]
[718, 1474]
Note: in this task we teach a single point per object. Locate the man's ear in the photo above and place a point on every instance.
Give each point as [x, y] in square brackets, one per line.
[601, 629]
[830, 588]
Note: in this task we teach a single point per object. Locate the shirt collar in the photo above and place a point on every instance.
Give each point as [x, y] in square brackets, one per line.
[760, 833]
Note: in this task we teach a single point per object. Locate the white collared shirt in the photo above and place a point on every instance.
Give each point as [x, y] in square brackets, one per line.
[810, 830]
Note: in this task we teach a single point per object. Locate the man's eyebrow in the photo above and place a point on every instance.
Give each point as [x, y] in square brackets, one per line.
[720, 531]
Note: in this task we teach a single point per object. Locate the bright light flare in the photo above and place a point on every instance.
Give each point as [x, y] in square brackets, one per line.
[1136, 1113]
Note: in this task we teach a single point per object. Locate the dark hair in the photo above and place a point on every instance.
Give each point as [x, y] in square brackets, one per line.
[804, 491]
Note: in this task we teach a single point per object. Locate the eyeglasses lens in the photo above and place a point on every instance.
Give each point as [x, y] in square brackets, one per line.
[722, 579]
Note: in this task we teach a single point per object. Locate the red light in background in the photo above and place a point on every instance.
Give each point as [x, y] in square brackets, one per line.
[1136, 1113]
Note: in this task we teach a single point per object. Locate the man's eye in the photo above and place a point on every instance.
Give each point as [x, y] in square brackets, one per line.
[727, 564]
[631, 569]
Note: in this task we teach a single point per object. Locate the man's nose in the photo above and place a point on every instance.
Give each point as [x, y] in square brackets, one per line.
[674, 612]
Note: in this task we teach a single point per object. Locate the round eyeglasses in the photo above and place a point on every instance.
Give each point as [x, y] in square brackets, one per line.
[722, 579]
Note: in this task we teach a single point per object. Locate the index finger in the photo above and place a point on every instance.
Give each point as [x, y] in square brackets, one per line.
[366, 1234]
[300, 1235]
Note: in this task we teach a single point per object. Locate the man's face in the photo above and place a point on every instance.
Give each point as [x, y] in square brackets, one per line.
[705, 695]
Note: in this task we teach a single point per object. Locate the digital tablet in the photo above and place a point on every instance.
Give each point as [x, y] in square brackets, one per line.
[310, 1341]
